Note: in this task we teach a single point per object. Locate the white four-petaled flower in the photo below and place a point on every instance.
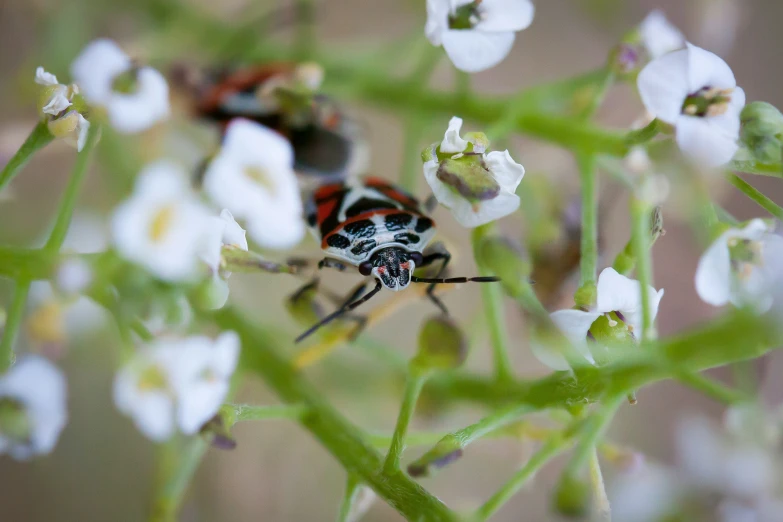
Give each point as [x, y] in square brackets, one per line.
[617, 295]
[506, 173]
[68, 124]
[174, 384]
[742, 266]
[696, 92]
[476, 34]
[32, 407]
[659, 36]
[253, 177]
[134, 97]
[162, 226]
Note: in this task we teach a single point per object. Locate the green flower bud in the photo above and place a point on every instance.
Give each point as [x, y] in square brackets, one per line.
[14, 422]
[441, 346]
[65, 125]
[762, 131]
[507, 261]
[469, 176]
[211, 294]
[446, 451]
[572, 497]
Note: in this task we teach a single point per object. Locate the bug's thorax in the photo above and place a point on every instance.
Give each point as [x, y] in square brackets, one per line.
[393, 267]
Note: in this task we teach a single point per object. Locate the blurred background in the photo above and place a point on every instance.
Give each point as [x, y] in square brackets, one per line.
[103, 469]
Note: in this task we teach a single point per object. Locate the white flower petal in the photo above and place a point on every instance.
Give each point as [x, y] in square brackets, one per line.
[575, 324]
[96, 67]
[437, 20]
[617, 293]
[707, 140]
[471, 215]
[507, 172]
[200, 404]
[153, 415]
[82, 129]
[706, 69]
[276, 230]
[549, 356]
[44, 78]
[234, 234]
[505, 15]
[473, 51]
[452, 143]
[40, 387]
[713, 274]
[659, 36]
[56, 104]
[141, 109]
[663, 85]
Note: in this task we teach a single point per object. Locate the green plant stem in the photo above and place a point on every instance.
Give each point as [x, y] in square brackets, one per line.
[774, 170]
[643, 135]
[754, 194]
[588, 267]
[342, 439]
[352, 489]
[551, 449]
[38, 139]
[68, 203]
[305, 29]
[414, 127]
[13, 322]
[713, 388]
[177, 473]
[590, 433]
[492, 297]
[246, 412]
[601, 508]
[413, 387]
[640, 214]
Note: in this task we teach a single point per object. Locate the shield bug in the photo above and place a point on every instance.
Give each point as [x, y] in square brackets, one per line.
[284, 97]
[382, 231]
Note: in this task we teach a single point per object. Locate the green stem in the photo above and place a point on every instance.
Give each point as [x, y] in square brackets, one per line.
[352, 489]
[245, 412]
[640, 213]
[713, 388]
[763, 169]
[754, 194]
[551, 449]
[68, 203]
[601, 507]
[38, 139]
[601, 89]
[588, 267]
[492, 297]
[452, 445]
[590, 433]
[643, 135]
[177, 473]
[413, 387]
[13, 322]
[305, 30]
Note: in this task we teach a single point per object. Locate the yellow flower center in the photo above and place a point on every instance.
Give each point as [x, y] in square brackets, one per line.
[260, 177]
[161, 223]
[151, 379]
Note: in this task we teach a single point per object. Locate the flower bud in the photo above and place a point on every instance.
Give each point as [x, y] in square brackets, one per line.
[507, 261]
[65, 125]
[469, 176]
[14, 421]
[441, 346]
[211, 294]
[572, 497]
[762, 131]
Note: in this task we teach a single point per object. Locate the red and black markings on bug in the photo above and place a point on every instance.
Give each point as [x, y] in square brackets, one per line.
[323, 147]
[383, 231]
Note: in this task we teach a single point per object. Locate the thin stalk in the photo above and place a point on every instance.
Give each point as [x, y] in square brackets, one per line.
[13, 322]
[590, 434]
[413, 387]
[602, 510]
[246, 412]
[713, 388]
[643, 135]
[602, 88]
[588, 267]
[38, 139]
[774, 170]
[414, 127]
[640, 213]
[352, 489]
[177, 473]
[68, 203]
[754, 194]
[492, 298]
[551, 449]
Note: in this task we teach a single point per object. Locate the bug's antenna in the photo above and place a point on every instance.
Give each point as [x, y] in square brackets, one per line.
[345, 309]
[454, 280]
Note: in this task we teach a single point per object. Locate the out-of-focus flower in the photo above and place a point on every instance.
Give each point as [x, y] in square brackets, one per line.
[223, 232]
[478, 187]
[618, 312]
[695, 91]
[741, 267]
[252, 176]
[162, 226]
[174, 384]
[134, 97]
[32, 408]
[659, 36]
[63, 117]
[476, 34]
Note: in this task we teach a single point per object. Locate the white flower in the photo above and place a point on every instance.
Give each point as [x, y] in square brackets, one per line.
[741, 267]
[505, 173]
[176, 383]
[223, 231]
[97, 70]
[57, 99]
[32, 407]
[44, 78]
[616, 295]
[476, 34]
[695, 91]
[659, 36]
[252, 176]
[162, 226]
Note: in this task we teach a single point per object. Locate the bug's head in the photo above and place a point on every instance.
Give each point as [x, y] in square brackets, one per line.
[392, 266]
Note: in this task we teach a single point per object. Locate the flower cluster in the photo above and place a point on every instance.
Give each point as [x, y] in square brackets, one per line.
[477, 186]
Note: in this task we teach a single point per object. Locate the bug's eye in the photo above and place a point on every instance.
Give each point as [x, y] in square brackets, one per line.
[417, 258]
[365, 268]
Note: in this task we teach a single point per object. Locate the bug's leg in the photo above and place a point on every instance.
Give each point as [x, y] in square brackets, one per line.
[329, 262]
[428, 259]
[430, 204]
[312, 285]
